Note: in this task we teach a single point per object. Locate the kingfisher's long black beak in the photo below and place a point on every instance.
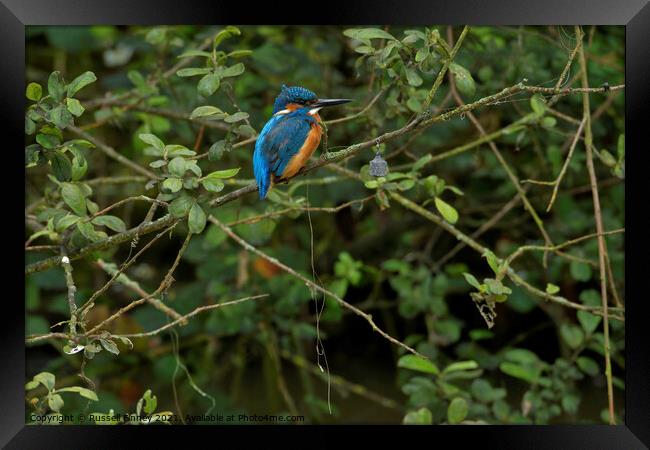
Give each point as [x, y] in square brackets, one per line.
[325, 102]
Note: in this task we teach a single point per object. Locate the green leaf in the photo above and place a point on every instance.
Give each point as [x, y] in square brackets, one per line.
[416, 363]
[538, 104]
[47, 379]
[570, 403]
[196, 219]
[74, 198]
[92, 206]
[420, 163]
[209, 84]
[60, 116]
[588, 321]
[86, 393]
[552, 289]
[220, 174]
[549, 122]
[150, 402]
[464, 81]
[79, 168]
[460, 365]
[158, 163]
[492, 260]
[126, 341]
[80, 143]
[244, 130]
[88, 231]
[446, 210]
[193, 71]
[496, 287]
[213, 184]
[173, 184]
[203, 111]
[607, 158]
[413, 77]
[31, 385]
[193, 167]
[80, 82]
[181, 206]
[65, 222]
[472, 280]
[192, 53]
[112, 222]
[32, 154]
[580, 271]
[236, 117]
[588, 365]
[56, 86]
[34, 91]
[422, 54]
[61, 167]
[620, 147]
[529, 374]
[178, 150]
[55, 402]
[522, 356]
[152, 140]
[368, 33]
[30, 126]
[110, 346]
[74, 106]
[572, 335]
[239, 53]
[233, 70]
[420, 417]
[48, 141]
[457, 410]
[177, 166]
[224, 34]
[156, 35]
[414, 104]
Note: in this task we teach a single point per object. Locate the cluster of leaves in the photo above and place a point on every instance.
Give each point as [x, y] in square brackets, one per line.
[52, 114]
[403, 63]
[145, 413]
[49, 115]
[433, 185]
[51, 403]
[181, 176]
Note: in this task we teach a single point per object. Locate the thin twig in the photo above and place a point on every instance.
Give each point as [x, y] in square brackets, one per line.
[311, 284]
[602, 247]
[72, 290]
[116, 239]
[445, 67]
[135, 287]
[196, 311]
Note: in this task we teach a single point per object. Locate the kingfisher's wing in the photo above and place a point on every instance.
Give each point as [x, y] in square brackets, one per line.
[279, 141]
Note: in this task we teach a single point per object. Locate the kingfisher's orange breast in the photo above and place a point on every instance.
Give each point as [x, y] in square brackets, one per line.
[299, 160]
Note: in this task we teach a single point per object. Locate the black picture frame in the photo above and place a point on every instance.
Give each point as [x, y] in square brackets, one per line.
[635, 15]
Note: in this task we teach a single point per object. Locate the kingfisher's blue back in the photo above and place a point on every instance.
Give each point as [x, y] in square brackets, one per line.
[289, 138]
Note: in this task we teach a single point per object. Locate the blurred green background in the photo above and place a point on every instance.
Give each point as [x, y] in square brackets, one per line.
[260, 356]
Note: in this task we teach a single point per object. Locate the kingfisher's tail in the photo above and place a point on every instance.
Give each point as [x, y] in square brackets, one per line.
[262, 173]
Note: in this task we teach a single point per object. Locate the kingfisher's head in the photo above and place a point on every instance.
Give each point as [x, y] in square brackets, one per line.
[302, 98]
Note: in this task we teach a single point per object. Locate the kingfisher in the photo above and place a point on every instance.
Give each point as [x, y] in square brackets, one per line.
[290, 137]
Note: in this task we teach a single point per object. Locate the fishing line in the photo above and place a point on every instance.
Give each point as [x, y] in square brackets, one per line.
[179, 363]
[320, 349]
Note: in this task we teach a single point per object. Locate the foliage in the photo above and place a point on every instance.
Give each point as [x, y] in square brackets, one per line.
[133, 170]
